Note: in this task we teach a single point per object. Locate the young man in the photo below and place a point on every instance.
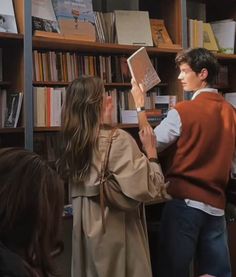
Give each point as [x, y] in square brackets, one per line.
[197, 139]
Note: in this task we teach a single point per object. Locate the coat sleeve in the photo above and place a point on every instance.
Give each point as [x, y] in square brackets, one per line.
[138, 178]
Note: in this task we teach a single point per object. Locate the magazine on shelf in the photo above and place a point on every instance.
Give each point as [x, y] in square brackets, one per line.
[43, 17]
[7, 17]
[14, 103]
[142, 70]
[76, 19]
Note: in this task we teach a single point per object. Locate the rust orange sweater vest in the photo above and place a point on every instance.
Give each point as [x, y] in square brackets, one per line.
[201, 161]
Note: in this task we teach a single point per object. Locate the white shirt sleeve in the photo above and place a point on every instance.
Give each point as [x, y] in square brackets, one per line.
[233, 168]
[168, 131]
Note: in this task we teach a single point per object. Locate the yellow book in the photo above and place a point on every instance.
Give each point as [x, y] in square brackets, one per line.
[209, 41]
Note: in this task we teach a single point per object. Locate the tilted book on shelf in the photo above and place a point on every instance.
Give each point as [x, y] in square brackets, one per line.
[14, 103]
[160, 35]
[76, 19]
[209, 40]
[142, 70]
[7, 17]
[43, 17]
[127, 22]
[224, 31]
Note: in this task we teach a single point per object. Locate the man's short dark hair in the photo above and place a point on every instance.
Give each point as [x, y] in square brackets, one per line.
[197, 59]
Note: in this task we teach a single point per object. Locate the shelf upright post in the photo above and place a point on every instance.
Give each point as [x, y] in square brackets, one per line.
[184, 24]
[28, 89]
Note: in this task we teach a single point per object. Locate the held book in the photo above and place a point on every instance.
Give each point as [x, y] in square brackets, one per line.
[142, 70]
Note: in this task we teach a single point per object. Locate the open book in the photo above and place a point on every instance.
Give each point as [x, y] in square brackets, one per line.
[142, 70]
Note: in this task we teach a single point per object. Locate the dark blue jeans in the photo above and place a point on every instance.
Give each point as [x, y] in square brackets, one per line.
[186, 233]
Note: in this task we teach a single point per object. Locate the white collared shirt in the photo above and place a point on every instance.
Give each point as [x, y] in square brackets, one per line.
[168, 132]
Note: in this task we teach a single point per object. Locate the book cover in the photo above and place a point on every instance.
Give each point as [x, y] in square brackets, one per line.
[14, 103]
[160, 35]
[209, 41]
[127, 22]
[76, 19]
[43, 17]
[7, 17]
[142, 70]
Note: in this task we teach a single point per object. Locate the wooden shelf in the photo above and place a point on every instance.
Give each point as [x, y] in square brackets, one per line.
[11, 130]
[92, 47]
[222, 56]
[58, 129]
[4, 84]
[7, 39]
[64, 84]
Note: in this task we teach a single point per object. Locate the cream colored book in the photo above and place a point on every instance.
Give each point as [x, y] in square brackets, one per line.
[142, 70]
[133, 28]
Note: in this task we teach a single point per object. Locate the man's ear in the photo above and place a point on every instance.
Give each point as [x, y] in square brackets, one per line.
[203, 74]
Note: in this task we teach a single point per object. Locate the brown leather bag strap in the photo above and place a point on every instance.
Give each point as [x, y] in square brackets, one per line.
[103, 178]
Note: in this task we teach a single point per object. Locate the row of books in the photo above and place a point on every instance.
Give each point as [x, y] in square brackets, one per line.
[66, 66]
[10, 107]
[48, 102]
[215, 36]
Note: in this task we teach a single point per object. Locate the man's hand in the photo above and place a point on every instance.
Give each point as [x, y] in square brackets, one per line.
[137, 93]
[148, 140]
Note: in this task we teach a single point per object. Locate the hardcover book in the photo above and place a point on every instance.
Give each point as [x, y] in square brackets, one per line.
[7, 17]
[142, 70]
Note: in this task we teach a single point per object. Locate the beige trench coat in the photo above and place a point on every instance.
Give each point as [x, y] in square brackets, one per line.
[122, 251]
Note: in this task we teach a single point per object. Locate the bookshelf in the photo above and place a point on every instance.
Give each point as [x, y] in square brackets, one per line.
[18, 60]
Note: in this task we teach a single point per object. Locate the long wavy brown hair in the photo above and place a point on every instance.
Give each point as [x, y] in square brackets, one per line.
[81, 118]
[31, 205]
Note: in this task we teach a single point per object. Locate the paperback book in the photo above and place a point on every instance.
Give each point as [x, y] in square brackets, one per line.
[142, 70]
[14, 103]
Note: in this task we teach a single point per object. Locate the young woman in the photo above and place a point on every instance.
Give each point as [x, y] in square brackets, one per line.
[122, 249]
[31, 205]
